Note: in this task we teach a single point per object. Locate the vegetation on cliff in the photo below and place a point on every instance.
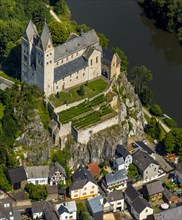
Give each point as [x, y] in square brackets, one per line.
[168, 14]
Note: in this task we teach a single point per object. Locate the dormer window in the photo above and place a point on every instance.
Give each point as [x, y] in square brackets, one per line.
[49, 46]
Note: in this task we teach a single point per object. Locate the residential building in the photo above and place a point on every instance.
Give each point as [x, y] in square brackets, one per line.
[116, 200]
[94, 169]
[131, 194]
[17, 177]
[178, 174]
[142, 146]
[83, 185]
[6, 211]
[146, 165]
[52, 192]
[54, 69]
[123, 152]
[119, 163]
[44, 210]
[37, 174]
[140, 208]
[153, 190]
[67, 210]
[57, 174]
[115, 179]
[170, 214]
[95, 208]
[169, 197]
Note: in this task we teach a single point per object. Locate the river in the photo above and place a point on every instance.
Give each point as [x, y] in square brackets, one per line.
[123, 23]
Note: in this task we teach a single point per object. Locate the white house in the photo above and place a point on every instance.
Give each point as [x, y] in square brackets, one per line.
[83, 185]
[37, 174]
[140, 208]
[119, 163]
[57, 174]
[67, 210]
[123, 152]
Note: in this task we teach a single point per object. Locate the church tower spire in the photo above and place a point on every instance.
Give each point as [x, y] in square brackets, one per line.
[30, 32]
[45, 39]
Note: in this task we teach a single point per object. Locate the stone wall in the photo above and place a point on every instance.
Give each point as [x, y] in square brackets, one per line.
[83, 136]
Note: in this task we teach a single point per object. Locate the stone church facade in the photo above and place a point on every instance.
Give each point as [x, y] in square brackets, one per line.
[53, 69]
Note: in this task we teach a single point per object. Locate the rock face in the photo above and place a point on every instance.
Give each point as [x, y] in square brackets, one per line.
[102, 145]
[35, 142]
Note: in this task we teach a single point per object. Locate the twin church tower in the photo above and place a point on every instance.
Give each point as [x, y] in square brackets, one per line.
[53, 69]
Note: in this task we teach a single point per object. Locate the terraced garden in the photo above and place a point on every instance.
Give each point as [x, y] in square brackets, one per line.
[91, 89]
[87, 113]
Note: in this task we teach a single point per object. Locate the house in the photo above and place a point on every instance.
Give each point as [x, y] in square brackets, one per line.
[37, 174]
[131, 194]
[54, 69]
[95, 208]
[119, 163]
[83, 185]
[43, 210]
[170, 214]
[52, 192]
[17, 177]
[153, 190]
[140, 208]
[169, 197]
[115, 179]
[116, 200]
[57, 174]
[178, 174]
[94, 169]
[142, 146]
[146, 165]
[123, 152]
[6, 211]
[67, 210]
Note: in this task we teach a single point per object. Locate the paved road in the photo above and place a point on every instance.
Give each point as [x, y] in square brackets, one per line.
[166, 129]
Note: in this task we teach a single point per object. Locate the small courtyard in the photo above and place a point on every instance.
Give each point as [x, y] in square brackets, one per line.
[91, 89]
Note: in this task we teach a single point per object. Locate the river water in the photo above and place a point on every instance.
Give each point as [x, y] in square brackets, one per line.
[123, 23]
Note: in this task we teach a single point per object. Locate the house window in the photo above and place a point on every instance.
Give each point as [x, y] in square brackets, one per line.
[83, 74]
[71, 216]
[57, 63]
[47, 63]
[76, 195]
[50, 54]
[93, 187]
[84, 194]
[77, 53]
[75, 191]
[67, 59]
[71, 56]
[85, 188]
[62, 61]
[47, 55]
[154, 169]
[91, 192]
[96, 59]
[146, 210]
[119, 203]
[77, 77]
[56, 88]
[50, 61]
[91, 62]
[70, 80]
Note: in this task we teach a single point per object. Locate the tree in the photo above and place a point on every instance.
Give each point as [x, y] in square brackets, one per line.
[36, 192]
[153, 128]
[62, 8]
[82, 212]
[104, 41]
[58, 31]
[2, 108]
[81, 91]
[122, 56]
[155, 110]
[145, 96]
[140, 76]
[133, 171]
[170, 122]
[4, 184]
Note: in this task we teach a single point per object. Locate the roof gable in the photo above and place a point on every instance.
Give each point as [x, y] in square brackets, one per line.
[30, 31]
[131, 193]
[154, 187]
[122, 151]
[45, 38]
[16, 175]
[140, 204]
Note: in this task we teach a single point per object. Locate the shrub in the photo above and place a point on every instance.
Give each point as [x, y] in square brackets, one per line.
[170, 122]
[155, 110]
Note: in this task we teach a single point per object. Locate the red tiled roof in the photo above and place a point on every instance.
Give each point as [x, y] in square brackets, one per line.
[94, 169]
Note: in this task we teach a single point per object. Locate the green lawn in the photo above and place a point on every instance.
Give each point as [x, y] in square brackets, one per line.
[170, 185]
[91, 89]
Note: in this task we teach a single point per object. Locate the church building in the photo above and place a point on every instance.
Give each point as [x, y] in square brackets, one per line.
[53, 69]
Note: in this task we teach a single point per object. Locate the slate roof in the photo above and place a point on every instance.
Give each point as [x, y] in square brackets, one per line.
[57, 167]
[115, 196]
[154, 187]
[75, 44]
[45, 37]
[115, 177]
[107, 56]
[38, 206]
[119, 161]
[170, 214]
[139, 204]
[143, 146]
[6, 212]
[122, 151]
[68, 68]
[37, 172]
[88, 52]
[16, 175]
[66, 207]
[77, 184]
[49, 212]
[131, 193]
[52, 189]
[95, 204]
[142, 160]
[30, 31]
